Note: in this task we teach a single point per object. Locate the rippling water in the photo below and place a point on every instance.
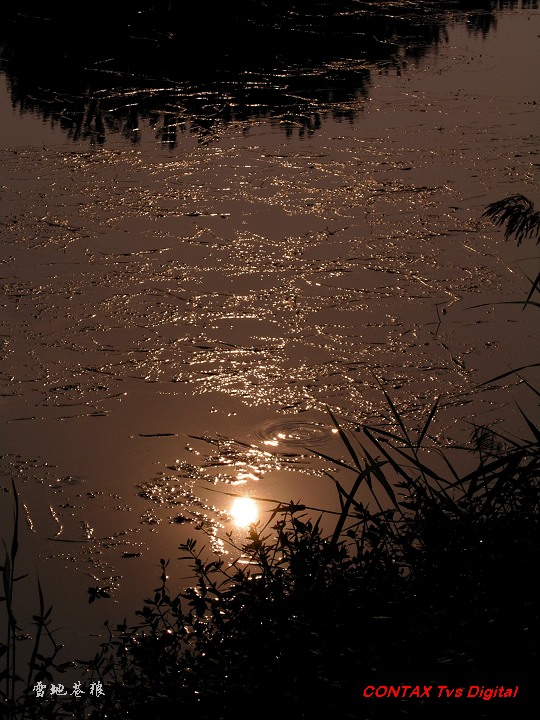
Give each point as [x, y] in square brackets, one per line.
[176, 317]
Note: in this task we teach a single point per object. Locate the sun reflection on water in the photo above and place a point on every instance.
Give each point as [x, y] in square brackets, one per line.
[244, 511]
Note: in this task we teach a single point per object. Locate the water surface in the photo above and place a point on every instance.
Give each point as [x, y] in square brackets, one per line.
[178, 310]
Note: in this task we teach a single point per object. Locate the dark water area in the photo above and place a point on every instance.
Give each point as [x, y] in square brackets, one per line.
[214, 225]
[178, 69]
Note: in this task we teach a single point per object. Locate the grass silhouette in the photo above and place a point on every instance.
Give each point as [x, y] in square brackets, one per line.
[432, 587]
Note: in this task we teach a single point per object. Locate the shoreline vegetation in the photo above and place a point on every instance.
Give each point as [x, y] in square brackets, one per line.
[431, 591]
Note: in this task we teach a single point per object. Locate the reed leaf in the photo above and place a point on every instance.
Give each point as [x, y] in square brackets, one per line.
[514, 371]
[518, 214]
[534, 430]
[345, 439]
[375, 468]
[427, 423]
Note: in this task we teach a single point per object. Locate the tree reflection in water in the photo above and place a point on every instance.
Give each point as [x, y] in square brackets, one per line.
[290, 63]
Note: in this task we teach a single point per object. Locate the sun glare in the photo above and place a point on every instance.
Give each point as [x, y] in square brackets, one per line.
[244, 511]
